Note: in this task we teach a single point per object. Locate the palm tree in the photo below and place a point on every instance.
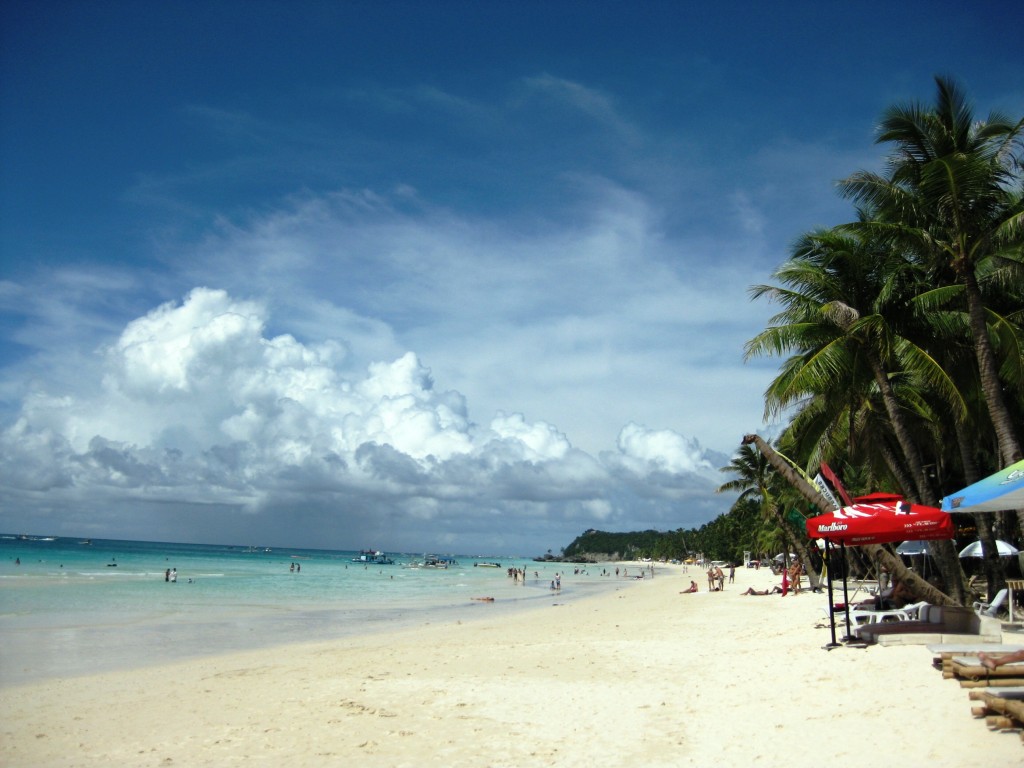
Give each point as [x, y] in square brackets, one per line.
[759, 484]
[838, 298]
[838, 318]
[953, 194]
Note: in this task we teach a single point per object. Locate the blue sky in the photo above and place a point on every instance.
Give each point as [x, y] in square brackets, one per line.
[458, 276]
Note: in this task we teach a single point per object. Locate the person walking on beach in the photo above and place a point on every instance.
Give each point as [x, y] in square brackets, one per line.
[167, 575]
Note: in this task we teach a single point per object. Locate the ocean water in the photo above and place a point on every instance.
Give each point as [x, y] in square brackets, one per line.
[72, 607]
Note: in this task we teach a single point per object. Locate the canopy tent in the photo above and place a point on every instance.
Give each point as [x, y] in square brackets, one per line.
[883, 520]
[1002, 548]
[1003, 490]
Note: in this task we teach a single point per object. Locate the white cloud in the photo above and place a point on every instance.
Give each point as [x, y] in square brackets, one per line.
[178, 348]
[540, 441]
[663, 449]
[198, 406]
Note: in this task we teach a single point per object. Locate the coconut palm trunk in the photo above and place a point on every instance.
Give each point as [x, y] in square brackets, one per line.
[879, 554]
[988, 369]
[995, 572]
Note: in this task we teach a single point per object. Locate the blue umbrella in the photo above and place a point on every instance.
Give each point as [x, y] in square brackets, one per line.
[1003, 490]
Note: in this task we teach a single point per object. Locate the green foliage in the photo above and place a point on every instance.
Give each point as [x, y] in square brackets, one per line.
[726, 537]
[622, 546]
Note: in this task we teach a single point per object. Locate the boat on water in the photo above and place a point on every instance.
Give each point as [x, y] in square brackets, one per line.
[487, 565]
[438, 561]
[373, 557]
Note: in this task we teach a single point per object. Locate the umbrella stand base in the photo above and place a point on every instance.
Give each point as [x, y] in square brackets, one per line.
[833, 646]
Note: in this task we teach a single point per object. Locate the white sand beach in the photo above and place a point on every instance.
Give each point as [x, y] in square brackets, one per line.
[643, 675]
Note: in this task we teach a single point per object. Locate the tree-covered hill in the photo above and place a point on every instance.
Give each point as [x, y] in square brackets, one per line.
[594, 545]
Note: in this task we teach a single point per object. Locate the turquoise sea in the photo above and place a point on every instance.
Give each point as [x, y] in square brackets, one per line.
[73, 606]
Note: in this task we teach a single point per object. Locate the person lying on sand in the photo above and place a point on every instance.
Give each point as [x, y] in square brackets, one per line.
[483, 599]
[773, 591]
[693, 588]
[989, 663]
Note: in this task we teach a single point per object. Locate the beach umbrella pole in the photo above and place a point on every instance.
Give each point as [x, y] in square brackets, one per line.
[846, 596]
[831, 603]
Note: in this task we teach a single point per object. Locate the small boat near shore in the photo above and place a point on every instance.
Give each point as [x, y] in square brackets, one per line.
[437, 561]
[487, 565]
[373, 557]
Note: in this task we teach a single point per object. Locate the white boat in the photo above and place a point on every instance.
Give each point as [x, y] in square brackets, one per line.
[438, 561]
[373, 557]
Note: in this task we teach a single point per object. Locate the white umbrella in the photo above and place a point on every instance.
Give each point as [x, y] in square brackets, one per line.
[974, 549]
[913, 548]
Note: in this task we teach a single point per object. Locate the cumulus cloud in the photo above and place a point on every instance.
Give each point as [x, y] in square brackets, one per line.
[198, 406]
[662, 449]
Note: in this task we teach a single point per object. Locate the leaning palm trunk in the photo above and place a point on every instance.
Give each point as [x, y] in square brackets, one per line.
[879, 554]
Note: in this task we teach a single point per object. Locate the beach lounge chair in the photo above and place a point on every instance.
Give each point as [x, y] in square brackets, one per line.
[991, 609]
[859, 617]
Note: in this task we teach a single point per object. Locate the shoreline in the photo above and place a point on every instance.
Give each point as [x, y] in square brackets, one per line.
[639, 673]
[115, 644]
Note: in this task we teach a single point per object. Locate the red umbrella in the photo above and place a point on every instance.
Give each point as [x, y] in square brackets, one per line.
[877, 498]
[881, 523]
[878, 519]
